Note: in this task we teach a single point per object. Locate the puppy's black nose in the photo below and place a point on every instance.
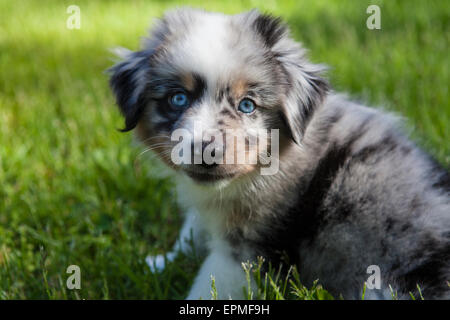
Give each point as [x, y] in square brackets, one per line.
[201, 158]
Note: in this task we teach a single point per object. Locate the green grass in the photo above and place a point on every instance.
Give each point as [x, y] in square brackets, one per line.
[73, 190]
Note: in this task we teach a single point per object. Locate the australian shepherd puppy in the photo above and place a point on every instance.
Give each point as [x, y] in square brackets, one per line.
[343, 189]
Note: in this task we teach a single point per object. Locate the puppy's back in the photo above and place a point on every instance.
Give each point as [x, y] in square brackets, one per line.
[374, 198]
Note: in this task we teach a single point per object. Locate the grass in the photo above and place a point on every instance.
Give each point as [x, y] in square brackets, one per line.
[74, 190]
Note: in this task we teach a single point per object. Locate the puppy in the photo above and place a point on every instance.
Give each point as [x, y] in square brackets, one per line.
[349, 190]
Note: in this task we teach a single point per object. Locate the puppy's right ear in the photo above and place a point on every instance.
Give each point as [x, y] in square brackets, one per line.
[129, 79]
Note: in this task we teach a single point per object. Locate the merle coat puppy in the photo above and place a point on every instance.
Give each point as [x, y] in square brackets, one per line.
[350, 189]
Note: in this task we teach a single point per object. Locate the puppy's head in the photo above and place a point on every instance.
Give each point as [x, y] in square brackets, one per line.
[208, 79]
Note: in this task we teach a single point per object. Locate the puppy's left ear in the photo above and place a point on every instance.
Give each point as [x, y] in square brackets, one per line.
[306, 88]
[128, 82]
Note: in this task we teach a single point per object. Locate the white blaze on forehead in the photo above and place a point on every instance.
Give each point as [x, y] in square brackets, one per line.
[205, 48]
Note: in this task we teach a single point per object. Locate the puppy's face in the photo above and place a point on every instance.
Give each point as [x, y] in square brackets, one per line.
[213, 83]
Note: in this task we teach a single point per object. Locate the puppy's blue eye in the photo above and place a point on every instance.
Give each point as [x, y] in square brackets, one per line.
[246, 106]
[179, 100]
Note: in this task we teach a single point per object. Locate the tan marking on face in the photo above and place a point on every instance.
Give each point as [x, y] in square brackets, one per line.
[188, 81]
[160, 145]
[237, 151]
[143, 131]
[239, 88]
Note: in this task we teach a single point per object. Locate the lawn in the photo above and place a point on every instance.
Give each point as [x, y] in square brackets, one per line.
[75, 191]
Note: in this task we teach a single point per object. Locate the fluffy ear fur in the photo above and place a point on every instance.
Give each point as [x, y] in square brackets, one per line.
[130, 78]
[128, 82]
[306, 86]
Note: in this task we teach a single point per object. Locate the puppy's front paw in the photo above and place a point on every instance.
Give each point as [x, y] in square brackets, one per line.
[158, 262]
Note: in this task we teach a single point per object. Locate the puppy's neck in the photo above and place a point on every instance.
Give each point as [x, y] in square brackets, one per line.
[242, 202]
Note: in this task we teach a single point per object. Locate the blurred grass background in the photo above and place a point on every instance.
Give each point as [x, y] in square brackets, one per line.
[73, 190]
